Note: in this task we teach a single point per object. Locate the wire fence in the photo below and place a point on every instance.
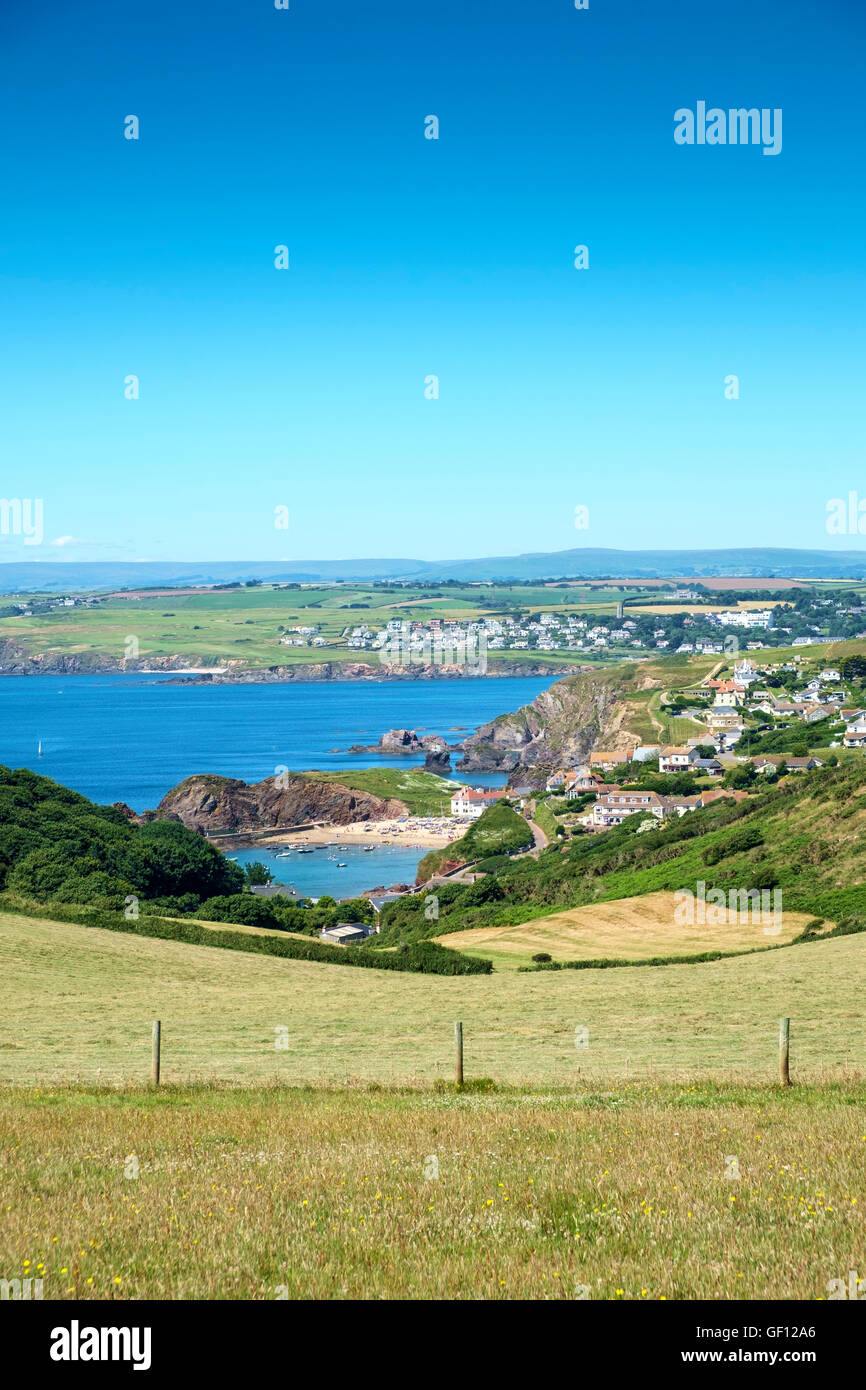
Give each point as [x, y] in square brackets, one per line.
[567, 1053]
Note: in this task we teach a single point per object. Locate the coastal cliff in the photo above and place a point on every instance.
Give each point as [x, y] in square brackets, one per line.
[16, 660]
[227, 805]
[559, 728]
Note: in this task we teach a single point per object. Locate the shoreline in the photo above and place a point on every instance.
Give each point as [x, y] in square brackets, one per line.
[415, 832]
[300, 674]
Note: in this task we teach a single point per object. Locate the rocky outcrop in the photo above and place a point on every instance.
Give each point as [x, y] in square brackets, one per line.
[559, 728]
[226, 805]
[403, 741]
[438, 761]
[400, 741]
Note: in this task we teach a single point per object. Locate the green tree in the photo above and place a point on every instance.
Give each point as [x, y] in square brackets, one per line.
[257, 874]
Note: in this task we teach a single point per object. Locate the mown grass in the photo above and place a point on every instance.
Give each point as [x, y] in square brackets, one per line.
[626, 1192]
[627, 928]
[78, 1004]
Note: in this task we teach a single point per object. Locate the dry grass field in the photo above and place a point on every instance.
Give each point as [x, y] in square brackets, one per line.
[626, 929]
[661, 1161]
[635, 1192]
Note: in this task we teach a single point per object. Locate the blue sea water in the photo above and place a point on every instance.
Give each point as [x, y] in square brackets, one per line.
[316, 873]
[133, 738]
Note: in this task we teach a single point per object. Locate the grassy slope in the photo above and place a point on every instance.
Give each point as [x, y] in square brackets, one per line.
[78, 1004]
[628, 929]
[814, 840]
[424, 793]
[498, 829]
[546, 819]
[621, 1192]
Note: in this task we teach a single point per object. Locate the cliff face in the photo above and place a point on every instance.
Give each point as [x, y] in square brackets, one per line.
[225, 804]
[16, 660]
[560, 727]
[373, 671]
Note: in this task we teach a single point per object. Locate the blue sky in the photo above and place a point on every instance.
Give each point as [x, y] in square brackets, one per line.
[409, 257]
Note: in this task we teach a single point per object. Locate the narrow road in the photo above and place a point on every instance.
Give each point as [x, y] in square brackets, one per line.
[540, 840]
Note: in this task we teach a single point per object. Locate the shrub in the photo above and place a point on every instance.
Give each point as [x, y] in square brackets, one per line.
[423, 957]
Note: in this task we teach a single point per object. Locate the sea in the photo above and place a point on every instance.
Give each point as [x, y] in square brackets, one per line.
[132, 738]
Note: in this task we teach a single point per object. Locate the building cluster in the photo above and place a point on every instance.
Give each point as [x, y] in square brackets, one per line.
[704, 630]
[720, 722]
[812, 700]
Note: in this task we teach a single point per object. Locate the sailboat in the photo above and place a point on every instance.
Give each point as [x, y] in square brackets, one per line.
[39, 749]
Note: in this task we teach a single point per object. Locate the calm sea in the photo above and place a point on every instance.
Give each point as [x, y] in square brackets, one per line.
[133, 738]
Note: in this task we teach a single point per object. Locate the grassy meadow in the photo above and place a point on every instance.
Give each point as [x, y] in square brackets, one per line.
[78, 1004]
[424, 793]
[635, 1191]
[307, 1142]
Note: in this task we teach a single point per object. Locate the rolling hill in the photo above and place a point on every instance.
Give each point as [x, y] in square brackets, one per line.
[591, 562]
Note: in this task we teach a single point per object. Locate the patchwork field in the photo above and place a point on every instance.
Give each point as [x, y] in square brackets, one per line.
[627, 929]
[244, 625]
[78, 1005]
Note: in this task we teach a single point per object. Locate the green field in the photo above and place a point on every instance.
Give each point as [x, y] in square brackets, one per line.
[637, 1191]
[499, 830]
[79, 1002]
[424, 793]
[243, 625]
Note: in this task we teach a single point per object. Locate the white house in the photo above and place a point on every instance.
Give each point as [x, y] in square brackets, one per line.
[471, 801]
[677, 759]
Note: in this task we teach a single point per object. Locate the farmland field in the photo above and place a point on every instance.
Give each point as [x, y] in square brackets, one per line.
[245, 624]
[626, 929]
[79, 1003]
[636, 1191]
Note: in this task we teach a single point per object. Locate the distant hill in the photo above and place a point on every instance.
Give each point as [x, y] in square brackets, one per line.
[755, 562]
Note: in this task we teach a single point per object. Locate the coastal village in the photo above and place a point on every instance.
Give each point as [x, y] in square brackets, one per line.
[604, 789]
[702, 627]
[720, 710]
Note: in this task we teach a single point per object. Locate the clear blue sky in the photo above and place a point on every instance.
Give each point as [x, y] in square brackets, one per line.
[411, 257]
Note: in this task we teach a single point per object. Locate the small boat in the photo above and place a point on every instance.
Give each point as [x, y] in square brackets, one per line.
[369, 849]
[342, 866]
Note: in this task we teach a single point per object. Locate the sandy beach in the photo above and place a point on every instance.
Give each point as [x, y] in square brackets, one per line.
[427, 832]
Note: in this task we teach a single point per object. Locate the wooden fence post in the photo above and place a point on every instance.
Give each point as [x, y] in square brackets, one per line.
[784, 1051]
[458, 1053]
[156, 1039]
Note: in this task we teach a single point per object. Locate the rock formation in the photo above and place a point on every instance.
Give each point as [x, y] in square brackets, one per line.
[225, 804]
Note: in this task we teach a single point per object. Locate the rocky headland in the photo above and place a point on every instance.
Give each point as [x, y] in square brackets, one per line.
[226, 805]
